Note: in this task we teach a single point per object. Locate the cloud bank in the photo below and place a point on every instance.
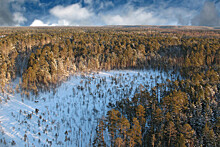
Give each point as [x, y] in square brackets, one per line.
[109, 12]
[208, 16]
[73, 14]
[127, 14]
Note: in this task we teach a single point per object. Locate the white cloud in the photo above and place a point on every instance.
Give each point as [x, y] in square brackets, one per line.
[19, 18]
[176, 16]
[148, 16]
[72, 15]
[132, 17]
[127, 14]
[38, 22]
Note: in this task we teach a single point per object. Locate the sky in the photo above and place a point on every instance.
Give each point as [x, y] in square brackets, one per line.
[109, 12]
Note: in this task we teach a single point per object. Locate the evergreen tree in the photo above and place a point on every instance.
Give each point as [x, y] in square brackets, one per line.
[135, 135]
[99, 139]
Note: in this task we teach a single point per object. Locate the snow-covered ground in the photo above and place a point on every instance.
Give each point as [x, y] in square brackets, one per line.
[69, 116]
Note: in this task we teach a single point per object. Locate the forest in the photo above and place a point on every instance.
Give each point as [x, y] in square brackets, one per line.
[181, 112]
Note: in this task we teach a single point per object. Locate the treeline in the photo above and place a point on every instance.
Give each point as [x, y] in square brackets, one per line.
[46, 57]
[55, 61]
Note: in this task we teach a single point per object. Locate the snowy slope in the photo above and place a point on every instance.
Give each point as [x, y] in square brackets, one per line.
[69, 116]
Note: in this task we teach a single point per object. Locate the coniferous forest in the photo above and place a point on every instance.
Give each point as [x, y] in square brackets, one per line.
[181, 111]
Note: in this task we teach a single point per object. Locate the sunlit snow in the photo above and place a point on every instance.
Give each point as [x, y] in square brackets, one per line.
[69, 116]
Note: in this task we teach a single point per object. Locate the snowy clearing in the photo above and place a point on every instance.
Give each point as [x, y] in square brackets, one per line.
[69, 117]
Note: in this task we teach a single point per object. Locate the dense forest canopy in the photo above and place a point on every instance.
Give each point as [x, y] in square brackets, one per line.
[187, 113]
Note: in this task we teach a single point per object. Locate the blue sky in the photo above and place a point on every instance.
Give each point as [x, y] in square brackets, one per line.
[109, 12]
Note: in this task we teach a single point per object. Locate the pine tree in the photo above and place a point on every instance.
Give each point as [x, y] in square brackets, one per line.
[208, 136]
[140, 113]
[113, 117]
[135, 135]
[124, 126]
[188, 133]
[170, 132]
[99, 139]
[153, 140]
[181, 141]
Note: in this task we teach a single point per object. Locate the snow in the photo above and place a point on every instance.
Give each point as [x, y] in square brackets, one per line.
[75, 107]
